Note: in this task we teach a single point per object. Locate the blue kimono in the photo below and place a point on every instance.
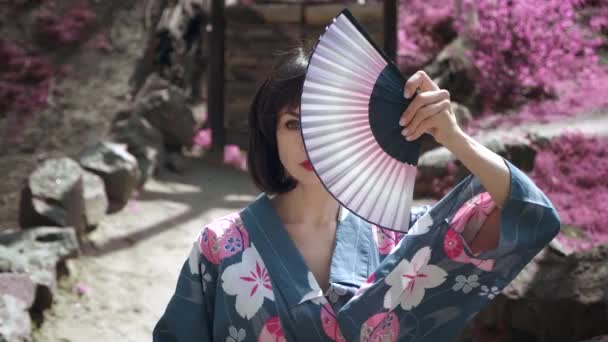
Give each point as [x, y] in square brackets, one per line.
[245, 280]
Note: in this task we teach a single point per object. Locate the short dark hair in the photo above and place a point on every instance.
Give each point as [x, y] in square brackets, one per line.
[282, 88]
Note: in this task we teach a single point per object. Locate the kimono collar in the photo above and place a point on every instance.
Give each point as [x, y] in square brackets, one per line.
[288, 271]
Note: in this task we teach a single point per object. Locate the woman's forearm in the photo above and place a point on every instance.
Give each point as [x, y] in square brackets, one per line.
[486, 165]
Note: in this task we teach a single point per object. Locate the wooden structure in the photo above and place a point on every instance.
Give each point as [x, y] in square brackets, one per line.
[243, 39]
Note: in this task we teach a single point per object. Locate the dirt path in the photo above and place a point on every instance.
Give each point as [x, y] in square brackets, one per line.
[140, 250]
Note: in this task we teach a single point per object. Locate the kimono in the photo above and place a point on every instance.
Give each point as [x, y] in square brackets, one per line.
[245, 280]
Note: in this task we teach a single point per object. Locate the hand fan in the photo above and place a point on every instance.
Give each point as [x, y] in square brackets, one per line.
[351, 103]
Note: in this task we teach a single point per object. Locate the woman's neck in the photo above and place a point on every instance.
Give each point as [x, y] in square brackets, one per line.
[308, 206]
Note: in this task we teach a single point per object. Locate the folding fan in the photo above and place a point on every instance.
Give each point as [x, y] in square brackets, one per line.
[351, 103]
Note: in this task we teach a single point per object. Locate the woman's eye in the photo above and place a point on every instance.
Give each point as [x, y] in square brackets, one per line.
[293, 124]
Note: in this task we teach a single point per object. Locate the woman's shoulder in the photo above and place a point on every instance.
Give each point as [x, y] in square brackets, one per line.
[223, 238]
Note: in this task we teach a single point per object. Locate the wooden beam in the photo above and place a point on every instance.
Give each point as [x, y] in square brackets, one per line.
[390, 28]
[215, 84]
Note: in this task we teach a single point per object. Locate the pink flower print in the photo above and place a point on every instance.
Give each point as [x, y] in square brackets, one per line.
[452, 245]
[469, 218]
[272, 331]
[249, 281]
[209, 246]
[381, 327]
[385, 239]
[223, 238]
[330, 323]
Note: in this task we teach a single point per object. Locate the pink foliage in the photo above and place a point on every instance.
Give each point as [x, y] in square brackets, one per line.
[583, 94]
[61, 28]
[418, 27]
[233, 156]
[573, 171]
[203, 138]
[25, 80]
[534, 58]
[594, 14]
[521, 49]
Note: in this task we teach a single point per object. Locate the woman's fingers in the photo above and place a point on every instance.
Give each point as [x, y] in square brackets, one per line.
[423, 114]
[419, 80]
[422, 100]
[427, 125]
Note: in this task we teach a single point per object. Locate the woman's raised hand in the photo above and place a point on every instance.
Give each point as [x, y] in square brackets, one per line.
[430, 112]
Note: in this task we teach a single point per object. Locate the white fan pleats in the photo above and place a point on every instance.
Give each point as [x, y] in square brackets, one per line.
[335, 125]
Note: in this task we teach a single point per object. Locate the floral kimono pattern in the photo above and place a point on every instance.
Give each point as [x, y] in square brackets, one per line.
[245, 280]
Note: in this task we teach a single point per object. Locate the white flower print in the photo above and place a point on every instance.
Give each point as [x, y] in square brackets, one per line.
[409, 280]
[422, 225]
[465, 284]
[489, 292]
[316, 294]
[207, 278]
[194, 259]
[236, 336]
[249, 281]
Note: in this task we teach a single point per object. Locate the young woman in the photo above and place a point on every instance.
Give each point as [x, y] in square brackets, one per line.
[296, 266]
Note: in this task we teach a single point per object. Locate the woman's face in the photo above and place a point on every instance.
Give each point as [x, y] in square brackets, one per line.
[291, 148]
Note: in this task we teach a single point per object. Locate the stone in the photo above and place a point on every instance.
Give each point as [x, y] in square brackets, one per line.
[15, 321]
[462, 114]
[554, 298]
[117, 167]
[451, 70]
[144, 142]
[166, 109]
[517, 147]
[96, 202]
[176, 162]
[18, 285]
[40, 253]
[53, 195]
[518, 144]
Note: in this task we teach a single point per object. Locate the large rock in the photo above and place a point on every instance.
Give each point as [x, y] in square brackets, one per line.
[40, 253]
[117, 167]
[144, 141]
[15, 321]
[53, 195]
[451, 70]
[17, 294]
[18, 285]
[518, 144]
[166, 109]
[555, 298]
[95, 199]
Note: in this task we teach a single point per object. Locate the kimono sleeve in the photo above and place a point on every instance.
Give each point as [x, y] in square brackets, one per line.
[430, 284]
[189, 314]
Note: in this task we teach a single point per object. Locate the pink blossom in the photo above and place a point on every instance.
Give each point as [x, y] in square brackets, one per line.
[203, 138]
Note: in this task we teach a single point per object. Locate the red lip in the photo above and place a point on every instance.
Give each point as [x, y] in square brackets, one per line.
[306, 164]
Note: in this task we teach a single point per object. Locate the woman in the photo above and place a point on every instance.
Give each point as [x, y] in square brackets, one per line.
[294, 265]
